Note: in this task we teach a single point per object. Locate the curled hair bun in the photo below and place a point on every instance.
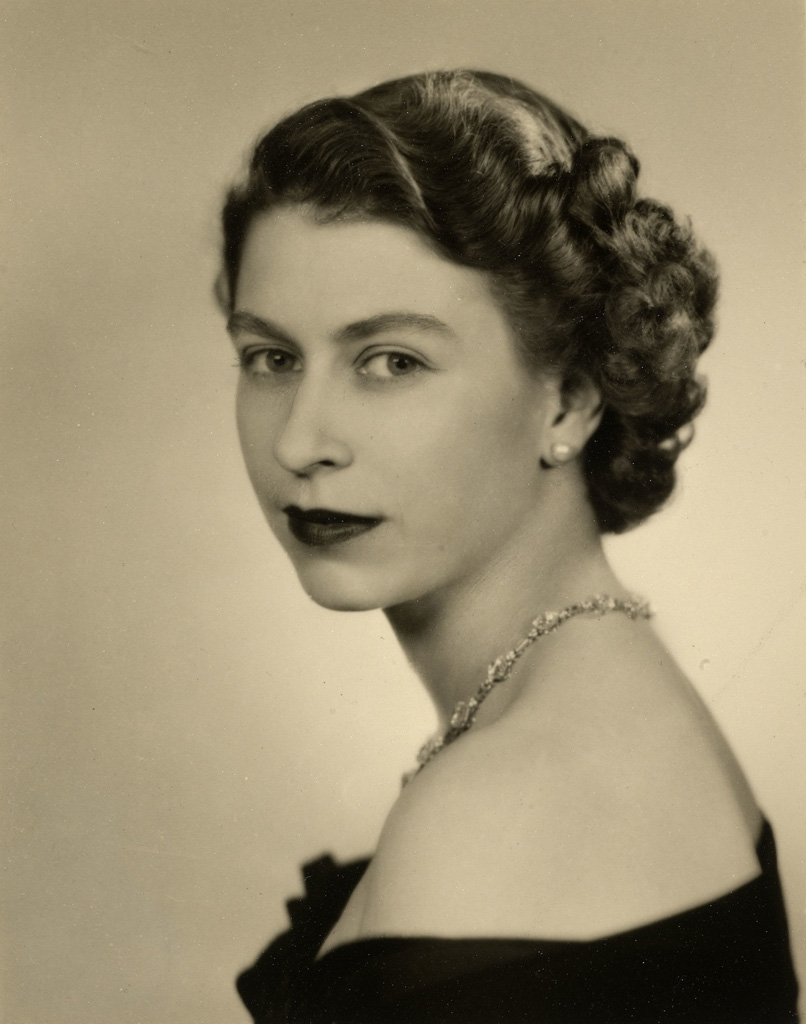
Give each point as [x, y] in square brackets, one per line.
[657, 290]
[659, 319]
[603, 179]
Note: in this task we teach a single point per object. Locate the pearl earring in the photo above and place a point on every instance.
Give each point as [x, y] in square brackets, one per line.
[561, 452]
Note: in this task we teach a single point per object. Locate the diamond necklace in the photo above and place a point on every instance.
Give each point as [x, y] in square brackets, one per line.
[464, 714]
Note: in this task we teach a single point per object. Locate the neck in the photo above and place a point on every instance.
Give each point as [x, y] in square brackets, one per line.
[451, 636]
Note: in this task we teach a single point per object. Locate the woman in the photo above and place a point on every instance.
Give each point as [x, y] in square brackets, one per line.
[467, 351]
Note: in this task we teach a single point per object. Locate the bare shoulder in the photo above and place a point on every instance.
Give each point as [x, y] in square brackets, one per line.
[523, 830]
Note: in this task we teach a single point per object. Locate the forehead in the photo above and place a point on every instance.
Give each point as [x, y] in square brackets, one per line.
[294, 267]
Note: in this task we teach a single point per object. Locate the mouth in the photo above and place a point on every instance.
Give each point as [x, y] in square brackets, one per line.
[316, 527]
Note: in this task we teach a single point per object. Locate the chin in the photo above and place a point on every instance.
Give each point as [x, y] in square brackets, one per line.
[340, 602]
[340, 591]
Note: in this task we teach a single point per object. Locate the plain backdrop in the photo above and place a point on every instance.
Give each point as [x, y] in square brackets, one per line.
[183, 727]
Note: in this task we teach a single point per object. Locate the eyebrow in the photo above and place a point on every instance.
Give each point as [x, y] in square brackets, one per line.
[384, 322]
[248, 323]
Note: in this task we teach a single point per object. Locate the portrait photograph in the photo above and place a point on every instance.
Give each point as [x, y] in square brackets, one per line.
[404, 488]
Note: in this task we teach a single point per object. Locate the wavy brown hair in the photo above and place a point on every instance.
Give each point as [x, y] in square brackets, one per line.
[599, 284]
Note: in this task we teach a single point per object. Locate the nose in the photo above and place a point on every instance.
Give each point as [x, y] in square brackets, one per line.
[311, 438]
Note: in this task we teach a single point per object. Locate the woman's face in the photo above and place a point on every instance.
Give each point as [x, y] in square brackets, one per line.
[389, 429]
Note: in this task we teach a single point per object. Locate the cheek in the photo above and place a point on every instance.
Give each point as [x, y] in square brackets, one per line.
[256, 420]
[465, 456]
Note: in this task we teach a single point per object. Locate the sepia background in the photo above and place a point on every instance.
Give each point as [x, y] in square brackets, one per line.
[182, 727]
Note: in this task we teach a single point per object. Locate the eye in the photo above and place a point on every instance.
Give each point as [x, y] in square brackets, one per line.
[386, 365]
[266, 362]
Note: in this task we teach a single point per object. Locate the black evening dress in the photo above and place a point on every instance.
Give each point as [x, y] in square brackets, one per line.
[725, 962]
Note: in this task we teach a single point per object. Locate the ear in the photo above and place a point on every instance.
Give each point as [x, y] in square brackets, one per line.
[574, 413]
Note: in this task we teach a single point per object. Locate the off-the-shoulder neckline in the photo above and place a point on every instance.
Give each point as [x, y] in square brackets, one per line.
[518, 946]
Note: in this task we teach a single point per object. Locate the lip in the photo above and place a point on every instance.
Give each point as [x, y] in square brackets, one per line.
[316, 527]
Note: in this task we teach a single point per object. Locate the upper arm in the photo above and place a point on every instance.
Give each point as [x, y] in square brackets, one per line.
[447, 855]
[543, 847]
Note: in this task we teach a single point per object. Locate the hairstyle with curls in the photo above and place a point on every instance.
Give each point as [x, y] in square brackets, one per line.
[599, 284]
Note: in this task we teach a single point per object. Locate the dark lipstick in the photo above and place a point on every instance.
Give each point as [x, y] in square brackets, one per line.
[319, 526]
